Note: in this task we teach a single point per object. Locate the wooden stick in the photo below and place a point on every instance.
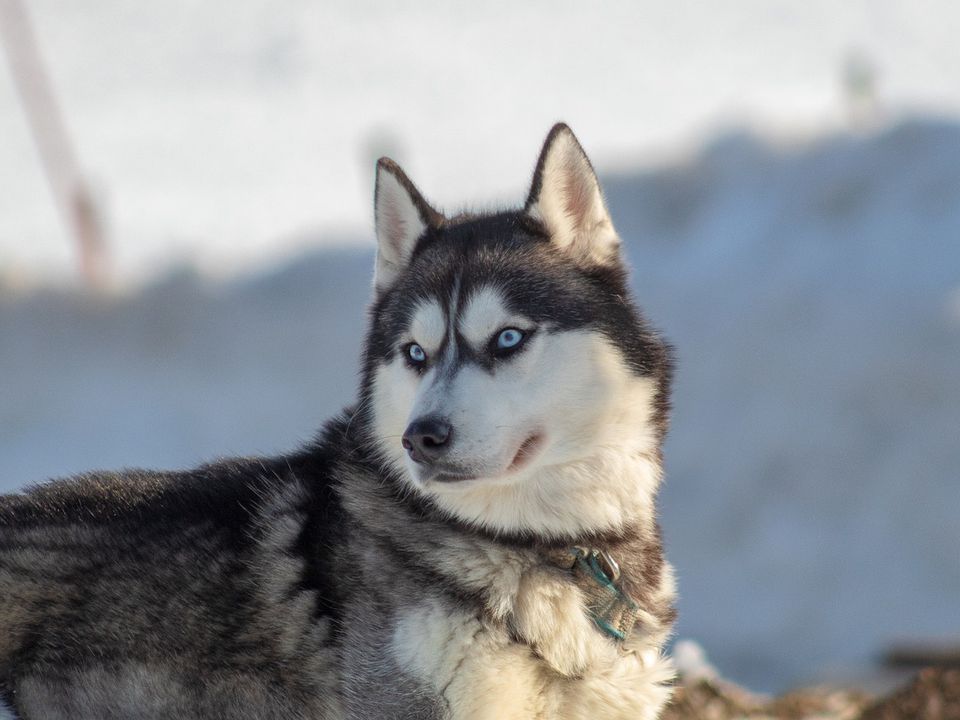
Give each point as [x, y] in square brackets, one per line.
[71, 193]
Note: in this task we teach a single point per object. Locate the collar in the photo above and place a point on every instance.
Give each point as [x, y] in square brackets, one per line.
[597, 575]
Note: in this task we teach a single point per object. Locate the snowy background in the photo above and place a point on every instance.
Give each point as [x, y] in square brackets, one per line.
[806, 266]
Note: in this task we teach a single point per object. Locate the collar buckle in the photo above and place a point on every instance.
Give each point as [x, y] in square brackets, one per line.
[599, 561]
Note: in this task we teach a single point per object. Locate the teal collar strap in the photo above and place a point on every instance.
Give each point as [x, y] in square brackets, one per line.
[612, 610]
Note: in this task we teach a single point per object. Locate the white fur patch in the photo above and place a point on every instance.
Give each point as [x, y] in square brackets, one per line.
[632, 687]
[393, 393]
[428, 327]
[484, 314]
[478, 671]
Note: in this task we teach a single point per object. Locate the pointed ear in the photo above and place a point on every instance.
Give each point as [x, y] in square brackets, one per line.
[402, 216]
[566, 198]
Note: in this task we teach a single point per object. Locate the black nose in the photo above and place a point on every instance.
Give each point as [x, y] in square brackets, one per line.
[427, 438]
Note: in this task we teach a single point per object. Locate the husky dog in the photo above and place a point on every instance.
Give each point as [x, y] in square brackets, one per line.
[475, 538]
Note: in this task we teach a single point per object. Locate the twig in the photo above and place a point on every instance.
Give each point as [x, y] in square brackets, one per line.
[71, 193]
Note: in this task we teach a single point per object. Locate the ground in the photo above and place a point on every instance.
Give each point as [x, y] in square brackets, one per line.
[934, 694]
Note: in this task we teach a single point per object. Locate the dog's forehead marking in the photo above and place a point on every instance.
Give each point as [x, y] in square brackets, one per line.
[428, 324]
[485, 312]
[450, 358]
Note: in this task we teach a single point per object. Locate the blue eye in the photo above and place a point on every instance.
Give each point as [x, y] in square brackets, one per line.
[416, 353]
[509, 338]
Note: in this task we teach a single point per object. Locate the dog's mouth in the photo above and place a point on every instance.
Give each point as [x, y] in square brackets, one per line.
[452, 478]
[527, 451]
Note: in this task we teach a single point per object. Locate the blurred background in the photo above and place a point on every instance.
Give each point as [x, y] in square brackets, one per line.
[186, 246]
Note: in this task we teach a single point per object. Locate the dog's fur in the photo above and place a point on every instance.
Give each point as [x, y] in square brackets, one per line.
[376, 573]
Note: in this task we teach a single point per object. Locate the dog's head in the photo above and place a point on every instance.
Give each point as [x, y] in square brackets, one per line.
[510, 378]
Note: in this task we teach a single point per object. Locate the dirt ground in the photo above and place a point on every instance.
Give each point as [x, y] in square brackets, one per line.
[933, 694]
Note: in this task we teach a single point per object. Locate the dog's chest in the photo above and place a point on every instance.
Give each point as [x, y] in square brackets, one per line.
[530, 649]
[477, 669]
[473, 664]
[494, 661]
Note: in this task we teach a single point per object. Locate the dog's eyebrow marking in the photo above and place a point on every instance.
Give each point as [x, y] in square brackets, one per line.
[428, 325]
[485, 313]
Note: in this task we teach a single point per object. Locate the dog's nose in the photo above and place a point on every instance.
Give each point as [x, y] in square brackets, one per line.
[427, 439]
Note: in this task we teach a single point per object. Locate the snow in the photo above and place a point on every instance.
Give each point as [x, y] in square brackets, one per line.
[226, 138]
[814, 465]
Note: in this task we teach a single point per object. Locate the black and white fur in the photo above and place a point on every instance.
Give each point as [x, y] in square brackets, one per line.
[513, 404]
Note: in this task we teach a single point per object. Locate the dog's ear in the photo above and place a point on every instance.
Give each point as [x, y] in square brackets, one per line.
[566, 198]
[402, 216]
